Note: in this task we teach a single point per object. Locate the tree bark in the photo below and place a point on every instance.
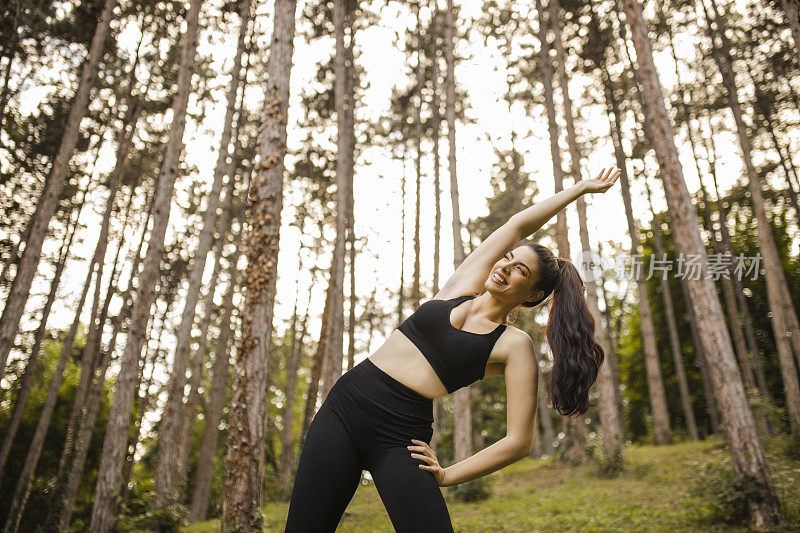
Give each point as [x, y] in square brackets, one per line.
[783, 314]
[332, 363]
[293, 363]
[69, 479]
[153, 358]
[350, 70]
[611, 354]
[110, 470]
[216, 399]
[166, 473]
[46, 206]
[744, 444]
[437, 190]
[672, 328]
[655, 382]
[462, 415]
[244, 477]
[574, 436]
[419, 81]
[31, 367]
[401, 289]
[25, 481]
[184, 442]
[791, 9]
[610, 417]
[316, 367]
[546, 421]
[91, 354]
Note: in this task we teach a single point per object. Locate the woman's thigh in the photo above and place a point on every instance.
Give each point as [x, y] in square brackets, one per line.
[411, 495]
[327, 476]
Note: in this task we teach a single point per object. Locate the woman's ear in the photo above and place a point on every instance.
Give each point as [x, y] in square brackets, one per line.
[536, 296]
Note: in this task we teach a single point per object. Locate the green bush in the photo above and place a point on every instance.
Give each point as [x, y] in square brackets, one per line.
[137, 513]
[611, 466]
[471, 491]
[721, 493]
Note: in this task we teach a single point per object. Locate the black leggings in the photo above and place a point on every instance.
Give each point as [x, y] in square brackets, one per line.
[365, 423]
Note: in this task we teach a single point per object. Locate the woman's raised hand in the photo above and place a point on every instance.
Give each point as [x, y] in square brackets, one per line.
[429, 456]
[603, 181]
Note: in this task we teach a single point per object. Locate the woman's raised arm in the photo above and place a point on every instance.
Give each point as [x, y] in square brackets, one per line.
[471, 275]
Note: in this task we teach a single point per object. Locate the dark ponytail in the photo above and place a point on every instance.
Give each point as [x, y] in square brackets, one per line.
[570, 333]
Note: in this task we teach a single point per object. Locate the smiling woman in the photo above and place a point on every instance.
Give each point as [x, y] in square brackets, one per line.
[378, 416]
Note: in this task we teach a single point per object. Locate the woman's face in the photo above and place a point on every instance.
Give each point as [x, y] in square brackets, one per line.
[514, 275]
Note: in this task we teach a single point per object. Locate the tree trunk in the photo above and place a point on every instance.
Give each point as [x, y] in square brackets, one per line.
[154, 358]
[747, 322]
[436, 126]
[462, 415]
[350, 167]
[193, 400]
[783, 313]
[745, 446]
[546, 421]
[81, 448]
[25, 481]
[216, 398]
[332, 364]
[610, 417]
[655, 382]
[574, 436]
[672, 327]
[69, 478]
[740, 334]
[244, 477]
[700, 362]
[437, 190]
[31, 367]
[90, 355]
[184, 442]
[401, 289]
[419, 81]
[46, 206]
[791, 9]
[611, 355]
[169, 436]
[110, 470]
[316, 367]
[295, 355]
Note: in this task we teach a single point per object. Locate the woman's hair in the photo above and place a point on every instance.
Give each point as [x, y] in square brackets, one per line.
[570, 333]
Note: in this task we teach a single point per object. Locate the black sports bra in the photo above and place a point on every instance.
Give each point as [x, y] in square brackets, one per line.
[457, 356]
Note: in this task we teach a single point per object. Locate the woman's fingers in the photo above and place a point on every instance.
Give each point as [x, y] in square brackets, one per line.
[424, 445]
[425, 458]
[600, 176]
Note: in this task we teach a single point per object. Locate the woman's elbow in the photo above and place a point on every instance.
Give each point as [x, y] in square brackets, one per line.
[523, 449]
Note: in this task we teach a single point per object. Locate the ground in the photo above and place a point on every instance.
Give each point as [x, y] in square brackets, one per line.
[652, 494]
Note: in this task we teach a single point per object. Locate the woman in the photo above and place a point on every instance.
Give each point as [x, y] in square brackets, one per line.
[379, 415]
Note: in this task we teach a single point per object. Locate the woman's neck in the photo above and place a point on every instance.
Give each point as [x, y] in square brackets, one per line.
[490, 308]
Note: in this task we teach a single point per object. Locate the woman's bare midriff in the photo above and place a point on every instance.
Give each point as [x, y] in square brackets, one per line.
[402, 360]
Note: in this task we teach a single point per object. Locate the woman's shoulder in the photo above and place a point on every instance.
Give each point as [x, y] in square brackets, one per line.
[515, 342]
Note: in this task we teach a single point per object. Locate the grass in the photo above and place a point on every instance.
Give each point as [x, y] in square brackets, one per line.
[544, 495]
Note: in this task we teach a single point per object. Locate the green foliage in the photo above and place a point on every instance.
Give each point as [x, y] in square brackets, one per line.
[720, 495]
[723, 493]
[137, 512]
[611, 466]
[39, 498]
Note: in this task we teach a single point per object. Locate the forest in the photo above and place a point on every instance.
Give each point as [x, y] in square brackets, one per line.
[212, 209]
